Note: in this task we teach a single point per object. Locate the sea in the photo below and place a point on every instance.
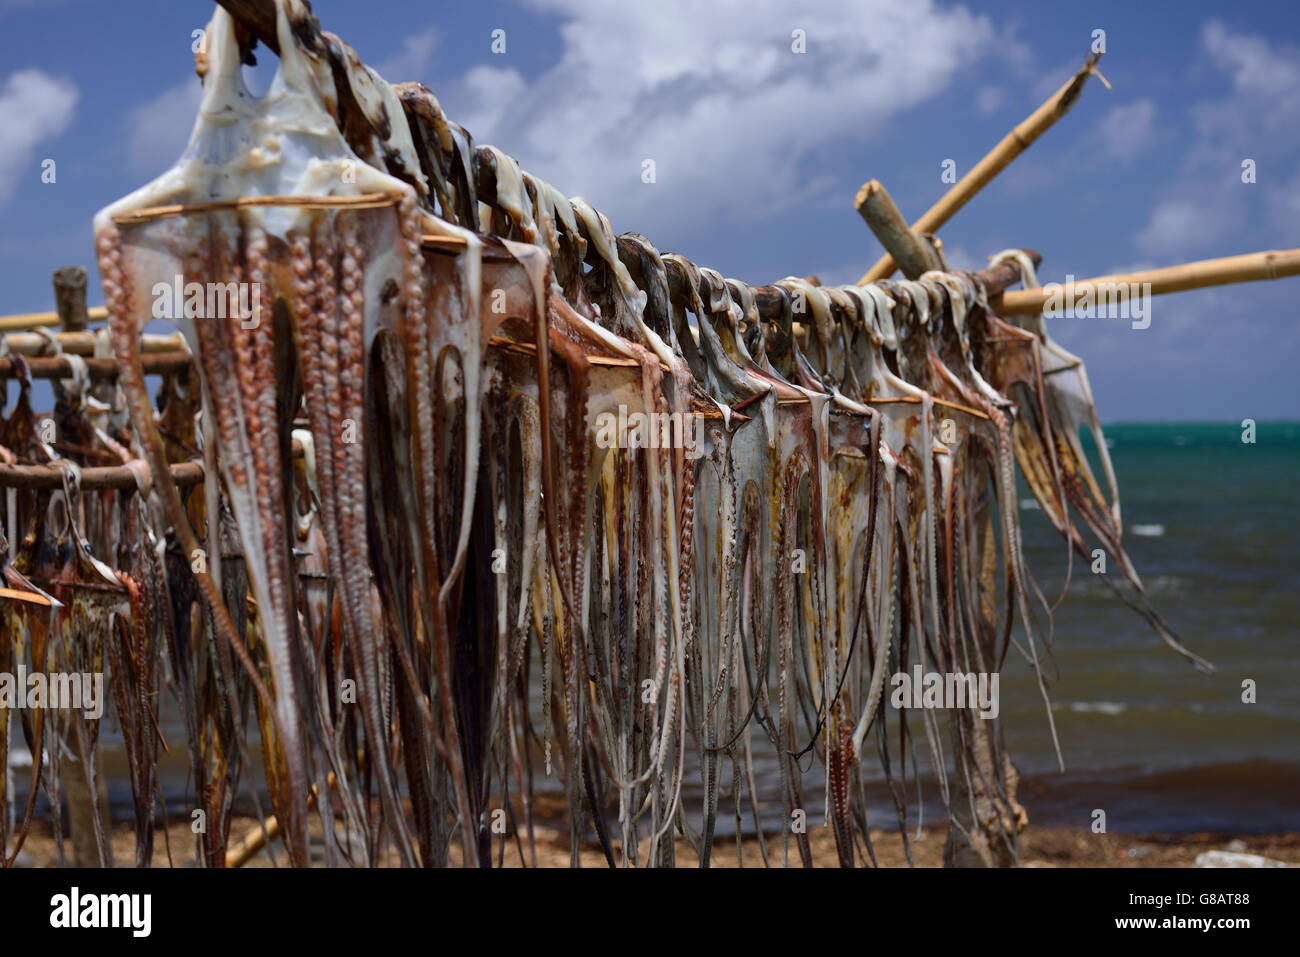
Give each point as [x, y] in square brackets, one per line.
[1212, 523]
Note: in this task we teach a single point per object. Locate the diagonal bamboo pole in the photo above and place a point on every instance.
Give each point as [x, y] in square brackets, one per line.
[997, 159]
[1251, 267]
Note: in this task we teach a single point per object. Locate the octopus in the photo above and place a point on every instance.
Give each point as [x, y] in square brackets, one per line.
[493, 492]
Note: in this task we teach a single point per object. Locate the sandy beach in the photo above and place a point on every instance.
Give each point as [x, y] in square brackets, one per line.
[1039, 847]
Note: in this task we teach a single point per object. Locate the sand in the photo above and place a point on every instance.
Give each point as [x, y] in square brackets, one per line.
[1040, 847]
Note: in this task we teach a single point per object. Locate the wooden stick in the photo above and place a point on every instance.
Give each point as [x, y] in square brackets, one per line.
[60, 367]
[256, 839]
[103, 477]
[361, 201]
[997, 159]
[1251, 267]
[905, 246]
[70, 297]
[82, 343]
[113, 476]
[32, 320]
[1004, 274]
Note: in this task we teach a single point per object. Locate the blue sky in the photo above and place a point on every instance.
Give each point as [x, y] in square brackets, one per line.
[758, 150]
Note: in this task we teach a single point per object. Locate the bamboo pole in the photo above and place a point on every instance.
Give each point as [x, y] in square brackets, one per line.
[99, 370]
[996, 160]
[92, 479]
[256, 839]
[1251, 267]
[905, 246]
[104, 477]
[81, 343]
[33, 320]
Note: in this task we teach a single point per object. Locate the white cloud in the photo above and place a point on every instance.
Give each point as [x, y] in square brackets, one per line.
[413, 61]
[34, 107]
[1265, 98]
[1181, 225]
[1255, 66]
[1284, 204]
[1125, 131]
[1206, 200]
[160, 129]
[990, 99]
[959, 257]
[714, 94]
[486, 94]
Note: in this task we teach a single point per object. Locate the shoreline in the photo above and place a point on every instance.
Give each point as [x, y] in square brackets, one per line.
[1047, 846]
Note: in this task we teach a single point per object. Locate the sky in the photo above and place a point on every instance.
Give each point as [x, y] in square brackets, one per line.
[759, 149]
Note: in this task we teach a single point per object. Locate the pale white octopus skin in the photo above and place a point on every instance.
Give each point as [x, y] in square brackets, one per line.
[284, 142]
[584, 226]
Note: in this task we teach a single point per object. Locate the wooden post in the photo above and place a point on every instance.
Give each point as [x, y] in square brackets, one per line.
[90, 844]
[904, 246]
[77, 793]
[70, 298]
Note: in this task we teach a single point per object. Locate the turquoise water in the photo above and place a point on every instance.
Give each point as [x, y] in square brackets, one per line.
[1139, 728]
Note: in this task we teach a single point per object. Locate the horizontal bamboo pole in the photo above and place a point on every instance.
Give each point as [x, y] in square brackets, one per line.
[60, 367]
[103, 477]
[1250, 267]
[92, 479]
[361, 201]
[32, 320]
[996, 160]
[83, 343]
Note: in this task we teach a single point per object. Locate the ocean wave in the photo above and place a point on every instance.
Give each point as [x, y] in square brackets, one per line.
[1147, 531]
[1099, 707]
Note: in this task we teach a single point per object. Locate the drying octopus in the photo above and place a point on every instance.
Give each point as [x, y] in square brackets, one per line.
[436, 577]
[83, 580]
